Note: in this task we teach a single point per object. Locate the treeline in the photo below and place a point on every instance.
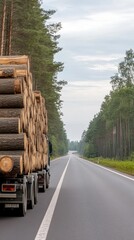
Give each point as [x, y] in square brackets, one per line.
[111, 132]
[73, 145]
[32, 36]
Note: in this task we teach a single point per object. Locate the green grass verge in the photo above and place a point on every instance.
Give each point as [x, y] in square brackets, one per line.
[124, 166]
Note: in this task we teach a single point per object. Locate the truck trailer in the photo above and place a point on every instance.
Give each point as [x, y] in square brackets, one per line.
[24, 143]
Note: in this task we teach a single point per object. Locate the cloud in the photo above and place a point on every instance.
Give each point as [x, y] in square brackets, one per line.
[92, 58]
[94, 36]
[88, 83]
[104, 67]
[97, 24]
[103, 62]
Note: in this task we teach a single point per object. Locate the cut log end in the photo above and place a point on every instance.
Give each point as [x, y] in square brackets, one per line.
[6, 164]
[12, 164]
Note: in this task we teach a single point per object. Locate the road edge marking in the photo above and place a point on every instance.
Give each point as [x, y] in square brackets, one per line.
[45, 224]
[107, 169]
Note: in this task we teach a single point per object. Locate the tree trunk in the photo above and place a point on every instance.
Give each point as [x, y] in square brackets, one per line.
[11, 27]
[10, 125]
[13, 142]
[12, 101]
[3, 28]
[11, 113]
[13, 66]
[129, 137]
[17, 60]
[10, 86]
[10, 72]
[13, 153]
[121, 139]
[117, 139]
[21, 72]
[114, 141]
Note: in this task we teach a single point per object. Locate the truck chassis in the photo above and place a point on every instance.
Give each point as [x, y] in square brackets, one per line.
[22, 193]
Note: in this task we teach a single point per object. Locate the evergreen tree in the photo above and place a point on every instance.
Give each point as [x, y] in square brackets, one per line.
[33, 37]
[110, 133]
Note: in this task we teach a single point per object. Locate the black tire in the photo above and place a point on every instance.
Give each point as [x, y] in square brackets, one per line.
[47, 180]
[35, 189]
[23, 205]
[31, 201]
[43, 189]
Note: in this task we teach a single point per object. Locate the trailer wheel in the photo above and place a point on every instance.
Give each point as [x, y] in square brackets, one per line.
[35, 189]
[47, 179]
[31, 201]
[43, 189]
[23, 205]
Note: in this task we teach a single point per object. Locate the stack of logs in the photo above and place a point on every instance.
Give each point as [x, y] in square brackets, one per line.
[23, 117]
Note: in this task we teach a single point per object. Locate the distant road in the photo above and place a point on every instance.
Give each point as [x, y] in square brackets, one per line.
[90, 203]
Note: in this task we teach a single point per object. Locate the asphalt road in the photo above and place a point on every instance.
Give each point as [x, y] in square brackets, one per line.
[93, 204]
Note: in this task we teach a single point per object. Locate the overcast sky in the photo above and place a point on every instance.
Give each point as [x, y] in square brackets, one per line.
[95, 36]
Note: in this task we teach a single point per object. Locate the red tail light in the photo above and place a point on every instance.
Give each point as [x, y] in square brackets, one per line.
[8, 188]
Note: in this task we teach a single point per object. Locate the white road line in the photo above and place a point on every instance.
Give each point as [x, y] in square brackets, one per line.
[45, 225]
[109, 170]
[120, 174]
[56, 159]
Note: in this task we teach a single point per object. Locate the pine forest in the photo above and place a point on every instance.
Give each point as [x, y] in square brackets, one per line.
[111, 132]
[31, 35]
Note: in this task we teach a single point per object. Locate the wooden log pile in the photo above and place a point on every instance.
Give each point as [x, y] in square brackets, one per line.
[23, 117]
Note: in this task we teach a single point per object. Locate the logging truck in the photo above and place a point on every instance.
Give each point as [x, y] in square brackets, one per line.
[24, 145]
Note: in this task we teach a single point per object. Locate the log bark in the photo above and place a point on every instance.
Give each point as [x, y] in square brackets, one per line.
[37, 95]
[6, 73]
[46, 124]
[38, 163]
[20, 70]
[3, 19]
[11, 113]
[19, 67]
[45, 144]
[45, 159]
[13, 153]
[12, 101]
[10, 86]
[14, 60]
[30, 81]
[13, 142]
[30, 110]
[10, 125]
